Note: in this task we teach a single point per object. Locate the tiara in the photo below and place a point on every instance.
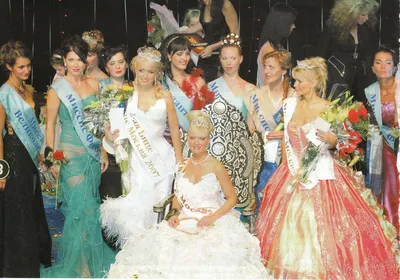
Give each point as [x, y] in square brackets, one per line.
[57, 56]
[173, 39]
[88, 39]
[231, 39]
[201, 122]
[150, 55]
[304, 65]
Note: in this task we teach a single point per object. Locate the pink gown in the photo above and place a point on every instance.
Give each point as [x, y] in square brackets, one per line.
[336, 230]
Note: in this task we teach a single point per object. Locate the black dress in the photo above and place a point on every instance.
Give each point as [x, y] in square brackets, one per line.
[213, 32]
[25, 240]
[349, 64]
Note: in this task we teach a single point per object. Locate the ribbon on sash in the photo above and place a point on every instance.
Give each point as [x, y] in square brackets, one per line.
[373, 95]
[74, 105]
[221, 89]
[271, 144]
[182, 103]
[23, 120]
[142, 146]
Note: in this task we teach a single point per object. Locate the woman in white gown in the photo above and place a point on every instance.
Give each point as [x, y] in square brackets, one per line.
[151, 158]
[203, 237]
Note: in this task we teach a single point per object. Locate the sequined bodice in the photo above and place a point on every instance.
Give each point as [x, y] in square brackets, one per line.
[388, 112]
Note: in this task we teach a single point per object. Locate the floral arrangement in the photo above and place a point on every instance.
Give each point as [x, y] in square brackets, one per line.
[56, 158]
[97, 112]
[199, 97]
[155, 33]
[350, 123]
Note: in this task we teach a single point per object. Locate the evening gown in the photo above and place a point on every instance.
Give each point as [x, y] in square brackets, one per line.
[225, 250]
[335, 230]
[25, 240]
[82, 251]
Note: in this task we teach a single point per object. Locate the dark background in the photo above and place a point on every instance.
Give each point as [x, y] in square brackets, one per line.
[42, 24]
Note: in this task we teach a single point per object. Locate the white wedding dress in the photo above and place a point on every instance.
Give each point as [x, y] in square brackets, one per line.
[225, 250]
[133, 214]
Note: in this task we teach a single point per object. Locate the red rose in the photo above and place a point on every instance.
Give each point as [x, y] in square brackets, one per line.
[150, 28]
[58, 155]
[363, 112]
[353, 116]
[396, 124]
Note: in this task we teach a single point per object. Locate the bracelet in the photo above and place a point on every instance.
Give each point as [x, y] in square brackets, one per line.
[4, 169]
[172, 212]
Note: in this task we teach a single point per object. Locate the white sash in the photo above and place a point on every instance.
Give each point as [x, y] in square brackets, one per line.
[324, 167]
[142, 146]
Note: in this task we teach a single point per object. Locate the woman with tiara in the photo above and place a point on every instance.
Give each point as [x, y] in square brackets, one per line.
[25, 240]
[265, 110]
[326, 225]
[82, 252]
[151, 159]
[95, 40]
[230, 85]
[189, 90]
[57, 62]
[203, 236]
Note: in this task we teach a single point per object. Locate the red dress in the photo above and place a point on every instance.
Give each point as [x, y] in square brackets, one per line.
[336, 230]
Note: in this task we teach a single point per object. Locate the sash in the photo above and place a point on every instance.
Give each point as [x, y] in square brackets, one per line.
[23, 120]
[142, 146]
[104, 82]
[268, 125]
[182, 103]
[221, 89]
[74, 105]
[324, 167]
[373, 95]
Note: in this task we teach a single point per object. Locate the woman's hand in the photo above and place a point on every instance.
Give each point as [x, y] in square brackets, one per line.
[173, 221]
[207, 52]
[104, 162]
[2, 185]
[111, 136]
[327, 137]
[275, 135]
[206, 221]
[40, 159]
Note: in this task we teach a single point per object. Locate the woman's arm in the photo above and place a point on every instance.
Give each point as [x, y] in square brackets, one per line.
[229, 192]
[231, 17]
[2, 124]
[173, 126]
[53, 104]
[193, 29]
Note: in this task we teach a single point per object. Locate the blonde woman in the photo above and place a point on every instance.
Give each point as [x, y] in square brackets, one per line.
[151, 158]
[203, 237]
[328, 226]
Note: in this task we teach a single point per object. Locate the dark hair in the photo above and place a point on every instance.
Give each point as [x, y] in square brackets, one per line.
[10, 51]
[172, 44]
[277, 25]
[57, 58]
[108, 52]
[216, 9]
[392, 52]
[74, 43]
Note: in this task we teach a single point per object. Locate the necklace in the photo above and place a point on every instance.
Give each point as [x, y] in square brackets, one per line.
[20, 91]
[197, 163]
[275, 104]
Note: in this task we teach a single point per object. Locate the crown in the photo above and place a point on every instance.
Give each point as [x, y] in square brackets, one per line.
[150, 54]
[88, 38]
[201, 122]
[304, 65]
[231, 39]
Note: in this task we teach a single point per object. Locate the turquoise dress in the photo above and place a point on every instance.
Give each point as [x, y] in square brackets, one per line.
[82, 251]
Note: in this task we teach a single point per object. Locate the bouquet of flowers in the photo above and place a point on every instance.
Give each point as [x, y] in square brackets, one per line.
[97, 113]
[155, 33]
[350, 123]
[56, 158]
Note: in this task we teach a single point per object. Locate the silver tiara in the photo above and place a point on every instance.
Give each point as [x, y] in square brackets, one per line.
[231, 39]
[303, 65]
[90, 40]
[150, 56]
[57, 56]
[170, 41]
[201, 122]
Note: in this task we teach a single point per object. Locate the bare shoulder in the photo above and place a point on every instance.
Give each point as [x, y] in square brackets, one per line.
[166, 94]
[216, 165]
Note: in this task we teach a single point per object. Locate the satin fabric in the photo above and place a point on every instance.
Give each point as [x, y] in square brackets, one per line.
[336, 230]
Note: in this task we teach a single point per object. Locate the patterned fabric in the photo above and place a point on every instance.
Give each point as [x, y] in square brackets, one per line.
[335, 230]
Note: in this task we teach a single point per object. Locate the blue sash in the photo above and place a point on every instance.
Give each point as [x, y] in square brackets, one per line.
[182, 103]
[104, 82]
[220, 88]
[74, 105]
[373, 95]
[23, 120]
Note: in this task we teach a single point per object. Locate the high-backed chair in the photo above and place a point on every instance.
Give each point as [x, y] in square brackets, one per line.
[240, 152]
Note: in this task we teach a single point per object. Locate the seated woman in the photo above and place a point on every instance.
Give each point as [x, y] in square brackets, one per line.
[189, 90]
[230, 85]
[151, 159]
[265, 111]
[203, 237]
